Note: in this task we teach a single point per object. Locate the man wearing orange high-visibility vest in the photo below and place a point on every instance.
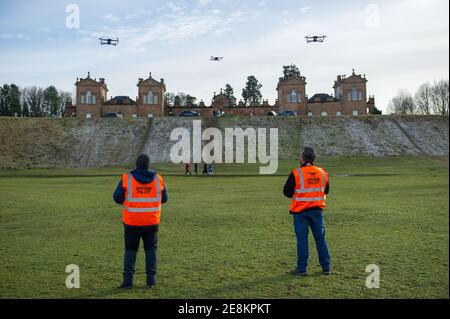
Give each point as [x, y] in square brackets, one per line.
[141, 192]
[307, 186]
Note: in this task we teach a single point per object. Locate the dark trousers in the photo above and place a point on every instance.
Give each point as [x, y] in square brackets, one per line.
[133, 236]
[313, 219]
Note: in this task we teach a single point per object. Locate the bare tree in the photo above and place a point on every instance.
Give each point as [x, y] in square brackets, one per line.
[423, 99]
[440, 97]
[402, 103]
[34, 97]
[63, 97]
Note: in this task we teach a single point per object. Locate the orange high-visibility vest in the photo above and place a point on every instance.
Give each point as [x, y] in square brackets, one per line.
[142, 204]
[310, 182]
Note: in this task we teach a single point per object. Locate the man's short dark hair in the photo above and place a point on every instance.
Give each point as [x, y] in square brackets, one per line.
[309, 155]
[142, 161]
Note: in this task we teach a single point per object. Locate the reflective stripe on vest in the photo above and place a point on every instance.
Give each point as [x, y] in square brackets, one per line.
[142, 210]
[303, 190]
[132, 199]
[308, 193]
[309, 199]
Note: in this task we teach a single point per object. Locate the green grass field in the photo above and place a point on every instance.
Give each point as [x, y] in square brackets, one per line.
[230, 235]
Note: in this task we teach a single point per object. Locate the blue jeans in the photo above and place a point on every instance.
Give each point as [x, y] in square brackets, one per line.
[311, 218]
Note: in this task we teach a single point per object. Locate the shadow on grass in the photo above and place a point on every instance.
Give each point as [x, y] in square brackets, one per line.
[212, 293]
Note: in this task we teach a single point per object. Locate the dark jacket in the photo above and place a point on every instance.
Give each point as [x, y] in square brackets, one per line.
[289, 186]
[142, 176]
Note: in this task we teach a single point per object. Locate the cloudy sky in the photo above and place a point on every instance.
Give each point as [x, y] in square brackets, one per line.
[396, 43]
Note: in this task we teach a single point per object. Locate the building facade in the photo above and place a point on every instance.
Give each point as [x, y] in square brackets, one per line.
[349, 99]
[92, 102]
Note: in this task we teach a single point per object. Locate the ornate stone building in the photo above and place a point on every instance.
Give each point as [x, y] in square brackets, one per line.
[349, 99]
[92, 102]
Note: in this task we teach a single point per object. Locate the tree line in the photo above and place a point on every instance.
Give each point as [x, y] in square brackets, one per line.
[251, 93]
[430, 98]
[32, 101]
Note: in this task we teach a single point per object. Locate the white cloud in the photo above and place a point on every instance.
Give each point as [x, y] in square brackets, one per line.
[14, 36]
[305, 9]
[110, 18]
[171, 28]
[138, 15]
[174, 7]
[410, 47]
[236, 14]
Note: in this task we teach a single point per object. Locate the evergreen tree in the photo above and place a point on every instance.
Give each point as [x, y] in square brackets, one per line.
[52, 101]
[228, 91]
[14, 100]
[4, 101]
[191, 100]
[290, 71]
[252, 91]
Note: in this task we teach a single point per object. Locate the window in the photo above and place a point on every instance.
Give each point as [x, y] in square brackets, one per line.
[338, 113]
[294, 97]
[324, 113]
[355, 113]
[150, 98]
[355, 95]
[338, 92]
[88, 98]
[310, 113]
[88, 115]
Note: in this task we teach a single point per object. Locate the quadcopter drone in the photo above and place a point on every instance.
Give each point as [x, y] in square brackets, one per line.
[216, 58]
[315, 38]
[109, 41]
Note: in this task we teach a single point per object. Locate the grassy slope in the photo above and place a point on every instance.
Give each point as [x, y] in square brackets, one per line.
[230, 235]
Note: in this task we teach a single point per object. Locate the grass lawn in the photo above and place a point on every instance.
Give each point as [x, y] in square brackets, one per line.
[230, 235]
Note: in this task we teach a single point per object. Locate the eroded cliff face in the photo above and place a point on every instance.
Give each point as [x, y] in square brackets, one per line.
[69, 142]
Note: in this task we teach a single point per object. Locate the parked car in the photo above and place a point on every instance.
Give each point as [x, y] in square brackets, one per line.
[271, 113]
[287, 113]
[188, 114]
[113, 114]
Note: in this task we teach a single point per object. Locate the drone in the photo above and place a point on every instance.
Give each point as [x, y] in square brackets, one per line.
[109, 41]
[216, 58]
[315, 38]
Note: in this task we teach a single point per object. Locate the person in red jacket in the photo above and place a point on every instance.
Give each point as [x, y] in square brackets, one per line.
[307, 186]
[187, 169]
[141, 192]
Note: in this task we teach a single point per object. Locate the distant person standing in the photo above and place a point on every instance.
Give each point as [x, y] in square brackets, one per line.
[205, 169]
[307, 186]
[196, 168]
[210, 169]
[187, 169]
[141, 192]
